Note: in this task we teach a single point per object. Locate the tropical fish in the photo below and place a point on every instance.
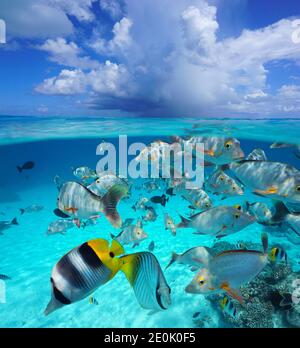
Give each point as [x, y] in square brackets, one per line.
[270, 179]
[229, 307]
[261, 211]
[26, 166]
[160, 200]
[146, 277]
[197, 198]
[151, 246]
[217, 150]
[222, 184]
[84, 173]
[150, 186]
[140, 204]
[4, 225]
[169, 224]
[131, 234]
[32, 209]
[219, 221]
[284, 145]
[278, 254]
[76, 200]
[93, 301]
[229, 270]
[194, 257]
[61, 226]
[105, 182]
[151, 215]
[82, 270]
[4, 277]
[257, 155]
[92, 221]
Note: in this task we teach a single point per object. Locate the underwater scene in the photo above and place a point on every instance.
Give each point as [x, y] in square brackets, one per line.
[86, 248]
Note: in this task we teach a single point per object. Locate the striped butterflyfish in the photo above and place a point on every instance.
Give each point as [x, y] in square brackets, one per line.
[228, 307]
[82, 270]
[277, 254]
[146, 277]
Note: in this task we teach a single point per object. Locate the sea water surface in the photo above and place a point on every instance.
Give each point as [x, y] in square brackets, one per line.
[58, 144]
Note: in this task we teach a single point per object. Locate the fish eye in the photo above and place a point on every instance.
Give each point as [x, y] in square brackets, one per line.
[98, 181]
[207, 205]
[111, 254]
[201, 281]
[298, 188]
[222, 178]
[234, 188]
[228, 144]
[237, 216]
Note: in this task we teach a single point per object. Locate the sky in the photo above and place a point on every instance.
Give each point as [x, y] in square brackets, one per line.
[161, 58]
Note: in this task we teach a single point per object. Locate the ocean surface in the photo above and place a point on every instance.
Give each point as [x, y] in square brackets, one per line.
[28, 254]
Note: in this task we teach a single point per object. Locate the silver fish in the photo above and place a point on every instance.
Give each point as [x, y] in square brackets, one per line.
[151, 215]
[77, 201]
[105, 182]
[194, 257]
[257, 155]
[34, 208]
[60, 226]
[131, 234]
[218, 221]
[169, 224]
[229, 270]
[270, 179]
[4, 225]
[197, 198]
[261, 211]
[219, 183]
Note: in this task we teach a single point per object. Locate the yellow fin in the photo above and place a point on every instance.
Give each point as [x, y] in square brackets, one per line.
[269, 191]
[234, 293]
[117, 248]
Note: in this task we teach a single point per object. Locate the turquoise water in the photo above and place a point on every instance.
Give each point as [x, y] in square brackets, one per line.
[28, 254]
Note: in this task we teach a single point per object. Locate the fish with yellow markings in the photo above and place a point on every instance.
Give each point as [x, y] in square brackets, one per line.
[82, 270]
[278, 254]
[229, 270]
[229, 307]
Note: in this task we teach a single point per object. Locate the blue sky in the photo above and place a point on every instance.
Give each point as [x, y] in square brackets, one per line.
[150, 58]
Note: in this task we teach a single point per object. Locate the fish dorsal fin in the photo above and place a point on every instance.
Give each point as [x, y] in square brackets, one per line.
[117, 248]
[240, 251]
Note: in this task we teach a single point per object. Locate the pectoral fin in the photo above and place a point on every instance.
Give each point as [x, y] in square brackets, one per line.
[234, 293]
[269, 191]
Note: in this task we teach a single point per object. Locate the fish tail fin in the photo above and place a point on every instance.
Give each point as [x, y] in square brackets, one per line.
[112, 236]
[117, 248]
[264, 240]
[52, 306]
[174, 258]
[19, 169]
[184, 222]
[22, 211]
[14, 221]
[110, 202]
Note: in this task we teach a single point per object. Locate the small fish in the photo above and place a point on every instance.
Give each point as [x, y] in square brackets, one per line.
[223, 185]
[151, 186]
[169, 224]
[84, 173]
[4, 277]
[160, 200]
[106, 181]
[26, 166]
[32, 209]
[278, 254]
[228, 307]
[146, 277]
[81, 271]
[61, 226]
[93, 301]
[4, 225]
[151, 215]
[261, 211]
[195, 257]
[131, 234]
[140, 204]
[151, 246]
[92, 221]
[196, 315]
